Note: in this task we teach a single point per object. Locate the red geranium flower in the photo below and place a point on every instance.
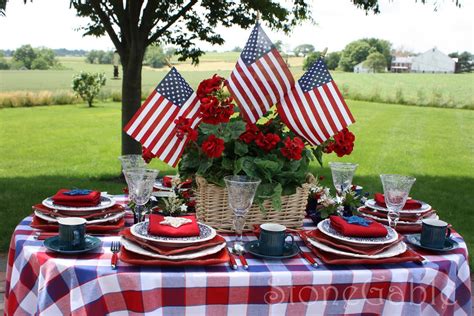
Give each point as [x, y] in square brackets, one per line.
[215, 112]
[184, 127]
[343, 143]
[209, 86]
[147, 155]
[267, 141]
[293, 148]
[213, 146]
[250, 134]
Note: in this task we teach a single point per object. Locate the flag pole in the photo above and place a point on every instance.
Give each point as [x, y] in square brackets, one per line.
[258, 16]
[323, 53]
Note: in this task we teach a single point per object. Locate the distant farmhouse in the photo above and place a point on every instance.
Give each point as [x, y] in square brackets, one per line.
[361, 68]
[432, 61]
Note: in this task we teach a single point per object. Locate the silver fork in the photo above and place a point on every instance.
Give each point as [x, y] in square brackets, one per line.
[115, 248]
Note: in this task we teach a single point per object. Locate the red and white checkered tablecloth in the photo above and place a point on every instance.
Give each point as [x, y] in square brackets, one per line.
[44, 283]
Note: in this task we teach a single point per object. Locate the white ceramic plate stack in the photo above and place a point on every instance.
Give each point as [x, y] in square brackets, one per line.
[104, 213]
[140, 231]
[410, 220]
[391, 243]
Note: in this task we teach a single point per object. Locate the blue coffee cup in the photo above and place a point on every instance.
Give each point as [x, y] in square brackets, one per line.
[272, 239]
[434, 233]
[72, 232]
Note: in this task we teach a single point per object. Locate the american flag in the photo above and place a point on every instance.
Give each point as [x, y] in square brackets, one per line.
[153, 125]
[260, 78]
[315, 109]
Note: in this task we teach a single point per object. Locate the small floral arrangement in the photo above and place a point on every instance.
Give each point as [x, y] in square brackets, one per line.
[179, 203]
[224, 144]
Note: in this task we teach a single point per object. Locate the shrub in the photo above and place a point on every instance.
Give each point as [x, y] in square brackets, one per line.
[88, 85]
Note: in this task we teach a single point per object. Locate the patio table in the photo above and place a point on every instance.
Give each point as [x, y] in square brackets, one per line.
[45, 283]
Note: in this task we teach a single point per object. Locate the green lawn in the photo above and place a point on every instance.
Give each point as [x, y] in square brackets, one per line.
[46, 148]
[446, 90]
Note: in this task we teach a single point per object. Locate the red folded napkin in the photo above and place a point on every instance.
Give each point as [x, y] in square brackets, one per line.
[374, 229]
[410, 204]
[316, 234]
[87, 215]
[91, 199]
[332, 258]
[186, 230]
[136, 259]
[39, 223]
[167, 251]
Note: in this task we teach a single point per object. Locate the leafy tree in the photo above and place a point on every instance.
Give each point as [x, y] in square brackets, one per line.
[3, 62]
[358, 51]
[155, 57]
[40, 63]
[100, 57]
[236, 49]
[134, 25]
[465, 61]
[25, 54]
[278, 45]
[310, 59]
[88, 85]
[303, 49]
[332, 60]
[376, 61]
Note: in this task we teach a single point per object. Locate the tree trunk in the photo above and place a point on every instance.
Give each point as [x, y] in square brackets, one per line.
[131, 96]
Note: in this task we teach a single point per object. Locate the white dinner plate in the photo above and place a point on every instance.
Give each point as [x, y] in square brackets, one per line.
[140, 230]
[105, 202]
[326, 228]
[133, 247]
[425, 207]
[385, 220]
[112, 217]
[393, 251]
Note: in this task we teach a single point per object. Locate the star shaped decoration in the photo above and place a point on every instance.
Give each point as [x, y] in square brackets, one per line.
[175, 221]
[184, 208]
[357, 220]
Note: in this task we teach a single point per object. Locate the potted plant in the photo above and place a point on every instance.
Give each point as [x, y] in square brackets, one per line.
[224, 144]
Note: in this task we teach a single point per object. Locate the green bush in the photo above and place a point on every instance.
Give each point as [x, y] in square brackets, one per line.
[88, 85]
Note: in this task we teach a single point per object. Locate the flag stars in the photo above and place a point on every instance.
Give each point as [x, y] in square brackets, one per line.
[258, 45]
[174, 88]
[316, 76]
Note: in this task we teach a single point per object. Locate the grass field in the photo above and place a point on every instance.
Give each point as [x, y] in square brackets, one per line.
[46, 148]
[444, 90]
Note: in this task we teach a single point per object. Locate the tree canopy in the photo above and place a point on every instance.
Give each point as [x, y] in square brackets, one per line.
[376, 62]
[303, 49]
[358, 51]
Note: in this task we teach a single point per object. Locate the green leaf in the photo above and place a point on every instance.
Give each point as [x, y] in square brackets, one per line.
[318, 153]
[208, 129]
[204, 166]
[238, 164]
[248, 166]
[227, 164]
[276, 197]
[241, 148]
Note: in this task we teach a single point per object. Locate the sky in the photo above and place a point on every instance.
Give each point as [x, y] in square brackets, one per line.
[405, 23]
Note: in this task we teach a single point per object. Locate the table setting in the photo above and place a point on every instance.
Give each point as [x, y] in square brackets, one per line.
[244, 226]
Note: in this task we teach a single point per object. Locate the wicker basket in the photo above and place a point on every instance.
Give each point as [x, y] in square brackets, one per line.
[212, 208]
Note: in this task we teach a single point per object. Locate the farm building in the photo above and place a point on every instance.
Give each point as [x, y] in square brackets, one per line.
[361, 68]
[401, 64]
[433, 61]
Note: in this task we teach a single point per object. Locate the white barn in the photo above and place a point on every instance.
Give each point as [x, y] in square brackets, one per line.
[433, 61]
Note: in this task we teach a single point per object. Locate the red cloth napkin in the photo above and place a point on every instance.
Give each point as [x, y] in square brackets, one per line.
[410, 204]
[136, 259]
[354, 230]
[166, 251]
[39, 223]
[186, 230]
[91, 199]
[87, 215]
[335, 243]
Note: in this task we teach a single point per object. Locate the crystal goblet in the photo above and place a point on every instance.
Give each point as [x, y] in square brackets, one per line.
[132, 162]
[342, 174]
[395, 189]
[241, 192]
[140, 186]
